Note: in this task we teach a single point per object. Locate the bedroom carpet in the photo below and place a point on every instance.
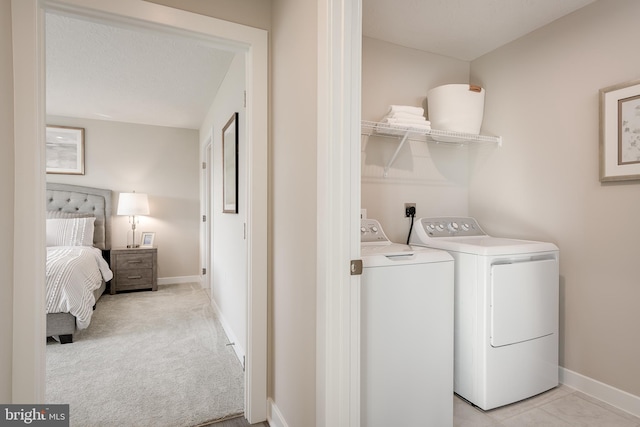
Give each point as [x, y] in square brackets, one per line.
[148, 359]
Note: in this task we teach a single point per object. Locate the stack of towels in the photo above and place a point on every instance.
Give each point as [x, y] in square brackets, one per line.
[405, 117]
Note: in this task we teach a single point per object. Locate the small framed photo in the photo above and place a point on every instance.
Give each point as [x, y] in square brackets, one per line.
[620, 132]
[230, 165]
[147, 238]
[65, 150]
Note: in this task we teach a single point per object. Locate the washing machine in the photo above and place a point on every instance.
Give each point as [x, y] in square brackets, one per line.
[406, 333]
[506, 311]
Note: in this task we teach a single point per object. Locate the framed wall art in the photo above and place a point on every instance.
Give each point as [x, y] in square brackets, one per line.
[620, 132]
[230, 165]
[65, 150]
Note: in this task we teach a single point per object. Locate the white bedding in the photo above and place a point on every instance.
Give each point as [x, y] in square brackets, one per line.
[73, 273]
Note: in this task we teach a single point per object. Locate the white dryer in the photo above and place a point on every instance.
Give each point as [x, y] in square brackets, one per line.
[406, 333]
[506, 311]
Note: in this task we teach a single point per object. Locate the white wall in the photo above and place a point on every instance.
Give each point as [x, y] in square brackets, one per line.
[293, 209]
[6, 194]
[542, 97]
[435, 177]
[229, 255]
[160, 161]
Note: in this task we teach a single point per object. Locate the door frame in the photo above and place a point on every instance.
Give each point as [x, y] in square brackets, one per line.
[206, 223]
[28, 383]
[338, 201]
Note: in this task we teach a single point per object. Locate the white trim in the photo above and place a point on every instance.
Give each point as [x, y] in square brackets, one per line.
[231, 336]
[29, 320]
[28, 346]
[338, 201]
[274, 416]
[601, 391]
[179, 279]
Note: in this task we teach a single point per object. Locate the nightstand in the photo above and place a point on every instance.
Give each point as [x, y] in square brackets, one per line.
[134, 268]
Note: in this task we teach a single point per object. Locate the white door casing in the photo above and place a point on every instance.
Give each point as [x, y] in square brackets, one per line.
[206, 184]
[338, 293]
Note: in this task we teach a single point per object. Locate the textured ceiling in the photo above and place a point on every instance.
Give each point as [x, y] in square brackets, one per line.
[108, 72]
[463, 29]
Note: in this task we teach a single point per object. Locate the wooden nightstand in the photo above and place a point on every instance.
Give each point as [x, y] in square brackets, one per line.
[134, 268]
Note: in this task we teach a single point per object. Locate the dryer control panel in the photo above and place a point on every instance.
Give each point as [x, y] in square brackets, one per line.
[371, 232]
[451, 226]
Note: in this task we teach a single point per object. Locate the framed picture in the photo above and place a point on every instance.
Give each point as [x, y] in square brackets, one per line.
[65, 150]
[147, 238]
[230, 165]
[620, 132]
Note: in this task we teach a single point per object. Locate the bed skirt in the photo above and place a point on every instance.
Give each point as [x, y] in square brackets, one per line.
[64, 324]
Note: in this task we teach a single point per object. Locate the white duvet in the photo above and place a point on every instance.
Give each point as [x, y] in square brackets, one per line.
[73, 273]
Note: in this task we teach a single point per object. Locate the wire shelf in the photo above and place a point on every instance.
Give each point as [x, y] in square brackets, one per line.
[427, 135]
[405, 133]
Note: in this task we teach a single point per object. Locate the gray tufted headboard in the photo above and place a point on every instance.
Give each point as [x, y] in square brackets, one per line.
[76, 199]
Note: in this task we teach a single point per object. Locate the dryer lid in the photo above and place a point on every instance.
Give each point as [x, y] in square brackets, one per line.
[487, 245]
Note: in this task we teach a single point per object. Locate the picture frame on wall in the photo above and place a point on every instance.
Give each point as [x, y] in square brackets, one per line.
[147, 239]
[620, 132]
[230, 165]
[65, 150]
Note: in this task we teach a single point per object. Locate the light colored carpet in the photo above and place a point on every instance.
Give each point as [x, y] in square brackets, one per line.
[148, 359]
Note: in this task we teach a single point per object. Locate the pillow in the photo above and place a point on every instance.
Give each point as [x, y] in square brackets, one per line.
[63, 214]
[70, 231]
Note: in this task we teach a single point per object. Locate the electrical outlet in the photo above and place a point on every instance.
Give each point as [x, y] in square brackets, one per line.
[409, 209]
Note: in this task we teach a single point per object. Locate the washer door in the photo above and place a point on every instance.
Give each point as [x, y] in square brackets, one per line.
[524, 301]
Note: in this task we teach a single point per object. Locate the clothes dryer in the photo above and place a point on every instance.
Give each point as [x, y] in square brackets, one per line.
[506, 311]
[406, 333]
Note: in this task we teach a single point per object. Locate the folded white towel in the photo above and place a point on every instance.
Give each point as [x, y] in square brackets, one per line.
[394, 120]
[402, 115]
[406, 109]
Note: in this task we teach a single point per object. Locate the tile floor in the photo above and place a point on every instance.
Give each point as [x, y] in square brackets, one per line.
[560, 407]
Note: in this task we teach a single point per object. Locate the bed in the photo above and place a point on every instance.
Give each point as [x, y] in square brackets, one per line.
[72, 211]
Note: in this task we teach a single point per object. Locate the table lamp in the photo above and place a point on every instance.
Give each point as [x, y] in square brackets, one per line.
[132, 205]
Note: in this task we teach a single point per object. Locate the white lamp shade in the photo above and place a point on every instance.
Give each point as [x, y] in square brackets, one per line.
[133, 204]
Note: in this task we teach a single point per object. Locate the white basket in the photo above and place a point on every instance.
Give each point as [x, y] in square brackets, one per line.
[456, 107]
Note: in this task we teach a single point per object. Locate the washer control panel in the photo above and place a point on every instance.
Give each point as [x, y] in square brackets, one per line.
[371, 232]
[451, 226]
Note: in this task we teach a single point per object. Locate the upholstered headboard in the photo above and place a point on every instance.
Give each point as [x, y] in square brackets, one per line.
[84, 200]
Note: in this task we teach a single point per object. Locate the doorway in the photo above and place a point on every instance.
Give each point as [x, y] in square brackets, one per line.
[28, 27]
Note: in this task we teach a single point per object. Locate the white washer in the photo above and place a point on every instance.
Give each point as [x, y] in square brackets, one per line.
[406, 333]
[506, 311]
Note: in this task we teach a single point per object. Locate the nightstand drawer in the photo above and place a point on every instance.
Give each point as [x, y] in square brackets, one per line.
[126, 261]
[134, 276]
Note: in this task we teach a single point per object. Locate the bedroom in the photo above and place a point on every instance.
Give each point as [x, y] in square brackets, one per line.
[160, 154]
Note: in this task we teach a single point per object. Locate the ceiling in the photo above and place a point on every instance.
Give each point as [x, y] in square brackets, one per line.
[110, 72]
[462, 29]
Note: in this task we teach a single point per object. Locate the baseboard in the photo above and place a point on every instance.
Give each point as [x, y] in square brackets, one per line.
[274, 417]
[237, 348]
[179, 279]
[601, 391]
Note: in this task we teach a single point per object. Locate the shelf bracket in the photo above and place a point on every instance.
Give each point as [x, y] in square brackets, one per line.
[393, 158]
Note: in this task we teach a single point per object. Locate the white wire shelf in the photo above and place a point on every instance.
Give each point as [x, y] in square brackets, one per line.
[428, 135]
[425, 135]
